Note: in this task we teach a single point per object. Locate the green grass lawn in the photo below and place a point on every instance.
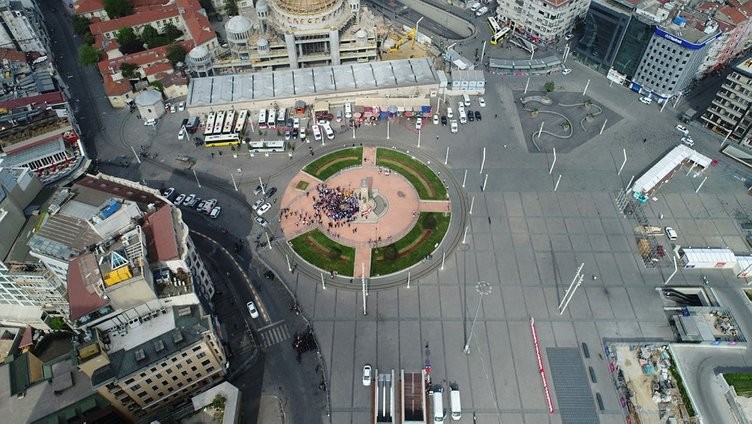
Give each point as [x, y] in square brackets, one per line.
[325, 253]
[741, 382]
[426, 182]
[412, 248]
[328, 165]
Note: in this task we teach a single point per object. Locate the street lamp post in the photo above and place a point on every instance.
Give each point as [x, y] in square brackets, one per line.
[483, 289]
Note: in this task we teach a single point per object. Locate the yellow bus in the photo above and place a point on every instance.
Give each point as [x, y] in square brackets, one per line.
[501, 36]
[493, 24]
[221, 140]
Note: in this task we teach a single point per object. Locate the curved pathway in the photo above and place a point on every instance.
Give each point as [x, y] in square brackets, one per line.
[402, 210]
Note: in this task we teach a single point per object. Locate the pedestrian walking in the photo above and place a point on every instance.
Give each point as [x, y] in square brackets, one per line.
[437, 137]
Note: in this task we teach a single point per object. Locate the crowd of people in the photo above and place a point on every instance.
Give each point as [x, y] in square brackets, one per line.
[338, 204]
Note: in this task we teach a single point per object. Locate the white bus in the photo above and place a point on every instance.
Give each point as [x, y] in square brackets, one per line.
[240, 123]
[271, 119]
[282, 117]
[501, 35]
[262, 118]
[493, 24]
[219, 123]
[221, 140]
[209, 129]
[229, 122]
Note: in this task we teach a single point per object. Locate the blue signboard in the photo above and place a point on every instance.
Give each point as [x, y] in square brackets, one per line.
[684, 43]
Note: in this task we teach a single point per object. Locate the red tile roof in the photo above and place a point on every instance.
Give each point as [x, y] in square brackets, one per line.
[12, 55]
[734, 15]
[87, 6]
[157, 68]
[84, 294]
[162, 241]
[27, 339]
[52, 99]
[140, 3]
[198, 26]
[134, 20]
[556, 3]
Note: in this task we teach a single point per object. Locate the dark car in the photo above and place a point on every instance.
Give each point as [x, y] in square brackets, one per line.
[470, 116]
[269, 275]
[477, 115]
[289, 122]
[443, 120]
[295, 133]
[270, 192]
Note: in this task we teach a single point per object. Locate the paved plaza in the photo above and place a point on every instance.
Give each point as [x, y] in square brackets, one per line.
[522, 237]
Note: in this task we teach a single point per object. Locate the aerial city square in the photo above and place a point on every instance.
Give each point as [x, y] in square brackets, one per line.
[376, 211]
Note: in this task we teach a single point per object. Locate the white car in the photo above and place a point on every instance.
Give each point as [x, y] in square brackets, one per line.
[454, 126]
[179, 199]
[189, 199]
[261, 221]
[482, 11]
[671, 234]
[366, 375]
[682, 129]
[419, 124]
[481, 102]
[688, 141]
[181, 106]
[169, 192]
[646, 100]
[150, 122]
[475, 6]
[215, 212]
[316, 132]
[252, 309]
[172, 109]
[569, 36]
[566, 71]
[296, 123]
[257, 204]
[436, 119]
[265, 207]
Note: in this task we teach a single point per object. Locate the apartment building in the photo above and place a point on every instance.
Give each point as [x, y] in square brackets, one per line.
[730, 113]
[542, 21]
[152, 362]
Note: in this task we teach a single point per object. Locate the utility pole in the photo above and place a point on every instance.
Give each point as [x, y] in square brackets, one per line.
[483, 289]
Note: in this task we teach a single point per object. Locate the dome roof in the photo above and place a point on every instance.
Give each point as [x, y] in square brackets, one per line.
[261, 42]
[198, 52]
[238, 25]
[361, 33]
[148, 98]
[307, 7]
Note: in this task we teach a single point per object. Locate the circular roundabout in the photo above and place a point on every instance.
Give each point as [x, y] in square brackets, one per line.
[365, 212]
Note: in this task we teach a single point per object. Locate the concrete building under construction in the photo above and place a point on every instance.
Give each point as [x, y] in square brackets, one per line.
[289, 34]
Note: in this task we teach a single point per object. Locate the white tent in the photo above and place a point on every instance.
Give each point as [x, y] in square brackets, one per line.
[673, 159]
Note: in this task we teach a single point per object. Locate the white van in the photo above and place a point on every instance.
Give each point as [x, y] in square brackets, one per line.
[482, 11]
[454, 403]
[437, 399]
[466, 99]
[348, 110]
[454, 126]
[475, 6]
[450, 114]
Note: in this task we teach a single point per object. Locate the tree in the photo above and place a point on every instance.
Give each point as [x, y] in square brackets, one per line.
[80, 24]
[128, 70]
[549, 86]
[149, 34]
[172, 32]
[176, 53]
[133, 46]
[125, 35]
[117, 8]
[231, 7]
[88, 55]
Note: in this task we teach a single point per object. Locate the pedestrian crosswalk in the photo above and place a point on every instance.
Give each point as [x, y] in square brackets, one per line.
[273, 334]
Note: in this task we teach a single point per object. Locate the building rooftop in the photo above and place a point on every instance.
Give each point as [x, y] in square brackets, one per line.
[744, 67]
[150, 341]
[62, 386]
[160, 233]
[135, 20]
[85, 292]
[219, 90]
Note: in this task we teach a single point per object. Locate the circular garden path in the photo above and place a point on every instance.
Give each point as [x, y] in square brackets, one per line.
[404, 207]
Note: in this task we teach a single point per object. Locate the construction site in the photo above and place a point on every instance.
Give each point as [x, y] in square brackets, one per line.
[649, 387]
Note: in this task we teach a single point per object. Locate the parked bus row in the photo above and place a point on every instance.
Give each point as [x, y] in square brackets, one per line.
[499, 33]
[272, 118]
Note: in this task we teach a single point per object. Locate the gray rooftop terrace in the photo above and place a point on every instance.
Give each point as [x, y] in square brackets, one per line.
[163, 339]
[227, 89]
